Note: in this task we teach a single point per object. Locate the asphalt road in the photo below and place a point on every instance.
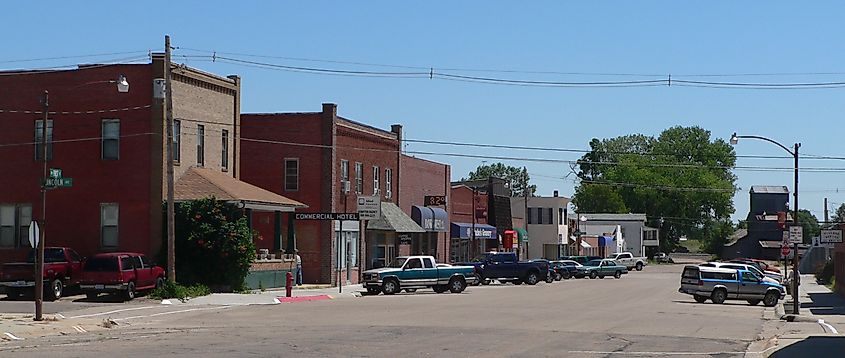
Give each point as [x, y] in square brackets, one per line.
[641, 314]
[65, 304]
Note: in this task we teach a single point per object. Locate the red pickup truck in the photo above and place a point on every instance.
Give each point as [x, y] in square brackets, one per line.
[62, 269]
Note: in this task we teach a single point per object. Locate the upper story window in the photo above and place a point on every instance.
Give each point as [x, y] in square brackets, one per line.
[376, 184]
[388, 183]
[344, 176]
[200, 145]
[359, 178]
[39, 150]
[540, 216]
[111, 139]
[292, 174]
[109, 218]
[224, 159]
[14, 225]
[177, 140]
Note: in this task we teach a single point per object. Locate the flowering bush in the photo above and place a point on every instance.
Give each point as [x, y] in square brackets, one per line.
[214, 244]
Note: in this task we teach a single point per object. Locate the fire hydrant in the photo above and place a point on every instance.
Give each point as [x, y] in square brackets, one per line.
[288, 284]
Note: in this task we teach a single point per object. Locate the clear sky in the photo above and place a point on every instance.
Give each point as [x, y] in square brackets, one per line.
[632, 37]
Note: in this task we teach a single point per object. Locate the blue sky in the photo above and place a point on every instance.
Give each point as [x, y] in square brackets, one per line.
[643, 37]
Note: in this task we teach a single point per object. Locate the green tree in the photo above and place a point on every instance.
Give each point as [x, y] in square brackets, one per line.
[214, 244]
[598, 199]
[839, 215]
[517, 177]
[681, 180]
[810, 224]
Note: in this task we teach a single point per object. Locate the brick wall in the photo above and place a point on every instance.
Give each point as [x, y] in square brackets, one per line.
[424, 177]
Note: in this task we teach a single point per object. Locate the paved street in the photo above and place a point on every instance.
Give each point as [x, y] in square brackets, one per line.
[641, 313]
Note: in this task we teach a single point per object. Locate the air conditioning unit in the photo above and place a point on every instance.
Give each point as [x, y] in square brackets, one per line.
[345, 186]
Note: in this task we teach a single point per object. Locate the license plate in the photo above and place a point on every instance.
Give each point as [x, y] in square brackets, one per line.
[20, 283]
[99, 287]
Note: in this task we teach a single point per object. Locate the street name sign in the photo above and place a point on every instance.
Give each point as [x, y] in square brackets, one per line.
[830, 236]
[796, 234]
[55, 173]
[34, 234]
[327, 216]
[369, 207]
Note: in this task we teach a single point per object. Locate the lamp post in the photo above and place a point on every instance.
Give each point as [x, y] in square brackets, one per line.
[794, 152]
[122, 87]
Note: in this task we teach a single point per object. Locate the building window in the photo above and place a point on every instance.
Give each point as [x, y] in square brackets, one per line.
[359, 178]
[109, 215]
[200, 145]
[291, 174]
[177, 140]
[560, 218]
[540, 216]
[388, 183]
[39, 150]
[348, 255]
[376, 186]
[14, 225]
[111, 139]
[344, 176]
[225, 155]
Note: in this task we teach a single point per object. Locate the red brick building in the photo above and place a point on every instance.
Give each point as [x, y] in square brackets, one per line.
[112, 145]
[420, 178]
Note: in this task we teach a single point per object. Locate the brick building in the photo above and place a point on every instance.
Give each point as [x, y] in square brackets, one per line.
[421, 178]
[113, 147]
[326, 161]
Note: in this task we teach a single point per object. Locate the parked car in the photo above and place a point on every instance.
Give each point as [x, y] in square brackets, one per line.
[123, 273]
[413, 272]
[663, 257]
[580, 259]
[768, 276]
[720, 284]
[551, 274]
[566, 269]
[602, 268]
[762, 265]
[628, 260]
[505, 267]
[62, 269]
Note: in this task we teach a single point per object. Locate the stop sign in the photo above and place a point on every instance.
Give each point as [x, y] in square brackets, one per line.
[784, 250]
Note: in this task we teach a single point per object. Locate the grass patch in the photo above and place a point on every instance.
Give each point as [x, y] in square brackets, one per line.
[183, 293]
[694, 246]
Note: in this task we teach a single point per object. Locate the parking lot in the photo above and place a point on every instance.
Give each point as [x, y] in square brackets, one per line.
[642, 312]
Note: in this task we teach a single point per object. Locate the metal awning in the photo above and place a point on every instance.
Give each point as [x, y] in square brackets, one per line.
[201, 183]
[393, 219]
[464, 231]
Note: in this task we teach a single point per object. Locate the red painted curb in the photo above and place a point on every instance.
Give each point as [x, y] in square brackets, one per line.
[303, 298]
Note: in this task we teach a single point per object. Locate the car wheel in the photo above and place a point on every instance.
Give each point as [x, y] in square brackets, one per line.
[160, 282]
[594, 274]
[718, 296]
[550, 277]
[532, 278]
[440, 288]
[771, 299]
[91, 295]
[410, 290]
[457, 285]
[55, 290]
[618, 274]
[478, 280]
[699, 299]
[753, 302]
[129, 295]
[390, 286]
[485, 282]
[639, 266]
[558, 276]
[566, 275]
[13, 293]
[373, 290]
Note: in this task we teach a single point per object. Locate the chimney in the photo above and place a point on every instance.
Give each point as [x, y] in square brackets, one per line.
[397, 128]
[330, 109]
[556, 193]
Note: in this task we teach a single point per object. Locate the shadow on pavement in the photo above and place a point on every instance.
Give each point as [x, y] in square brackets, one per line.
[813, 347]
[825, 304]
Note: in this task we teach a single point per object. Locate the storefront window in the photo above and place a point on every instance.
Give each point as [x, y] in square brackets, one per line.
[348, 253]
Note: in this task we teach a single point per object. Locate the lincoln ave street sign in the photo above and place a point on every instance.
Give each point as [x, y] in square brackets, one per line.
[55, 180]
[327, 216]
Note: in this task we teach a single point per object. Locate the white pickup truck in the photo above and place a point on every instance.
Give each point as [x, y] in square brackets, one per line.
[628, 260]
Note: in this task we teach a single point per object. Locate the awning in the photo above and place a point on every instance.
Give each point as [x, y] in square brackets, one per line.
[522, 234]
[393, 219]
[429, 218]
[201, 183]
[464, 231]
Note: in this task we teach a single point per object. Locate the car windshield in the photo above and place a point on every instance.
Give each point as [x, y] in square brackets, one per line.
[398, 262]
[50, 255]
[592, 263]
[101, 264]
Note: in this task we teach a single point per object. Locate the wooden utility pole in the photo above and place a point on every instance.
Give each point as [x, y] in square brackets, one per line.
[826, 216]
[171, 225]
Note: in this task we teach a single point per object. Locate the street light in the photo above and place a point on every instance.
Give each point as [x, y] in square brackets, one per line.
[794, 152]
[122, 87]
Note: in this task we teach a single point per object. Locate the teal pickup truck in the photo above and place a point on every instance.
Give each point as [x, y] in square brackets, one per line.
[601, 268]
[410, 273]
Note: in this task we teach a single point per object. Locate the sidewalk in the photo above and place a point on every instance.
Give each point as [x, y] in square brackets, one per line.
[819, 329]
[274, 296]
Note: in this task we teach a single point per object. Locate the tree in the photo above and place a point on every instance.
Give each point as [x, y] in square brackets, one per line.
[518, 178]
[839, 215]
[598, 199]
[810, 224]
[681, 180]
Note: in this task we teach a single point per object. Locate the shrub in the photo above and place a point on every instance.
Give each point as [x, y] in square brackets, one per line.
[214, 244]
[177, 291]
[825, 275]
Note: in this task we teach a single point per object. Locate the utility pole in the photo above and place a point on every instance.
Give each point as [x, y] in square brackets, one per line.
[826, 217]
[171, 225]
[39, 257]
[795, 253]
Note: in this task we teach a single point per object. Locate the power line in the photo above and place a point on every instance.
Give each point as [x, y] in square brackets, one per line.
[74, 56]
[52, 69]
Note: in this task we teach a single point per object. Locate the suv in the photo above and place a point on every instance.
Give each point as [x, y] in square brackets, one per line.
[720, 284]
[123, 273]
